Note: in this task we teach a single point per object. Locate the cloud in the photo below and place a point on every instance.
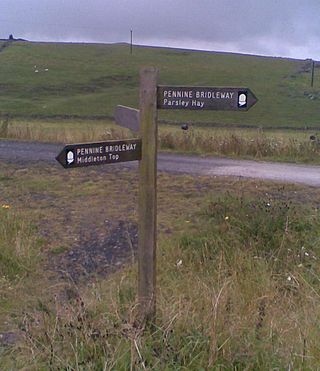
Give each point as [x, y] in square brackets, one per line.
[276, 27]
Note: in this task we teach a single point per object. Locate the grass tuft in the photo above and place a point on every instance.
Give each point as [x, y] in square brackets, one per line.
[4, 128]
[19, 246]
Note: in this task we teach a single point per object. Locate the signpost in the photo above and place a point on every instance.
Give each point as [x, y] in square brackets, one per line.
[144, 121]
[88, 154]
[148, 196]
[205, 98]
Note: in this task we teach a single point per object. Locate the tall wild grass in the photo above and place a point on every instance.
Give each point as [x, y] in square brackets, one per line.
[256, 145]
[240, 289]
[234, 143]
[19, 245]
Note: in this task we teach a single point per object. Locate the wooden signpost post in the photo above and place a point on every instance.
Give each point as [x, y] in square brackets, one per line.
[144, 121]
[148, 195]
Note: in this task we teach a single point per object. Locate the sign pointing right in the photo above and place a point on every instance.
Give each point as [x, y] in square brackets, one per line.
[205, 98]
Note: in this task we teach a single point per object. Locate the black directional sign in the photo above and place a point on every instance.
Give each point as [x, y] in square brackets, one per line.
[88, 154]
[205, 98]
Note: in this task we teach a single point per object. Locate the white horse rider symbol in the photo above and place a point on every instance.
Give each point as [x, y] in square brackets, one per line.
[242, 100]
[70, 157]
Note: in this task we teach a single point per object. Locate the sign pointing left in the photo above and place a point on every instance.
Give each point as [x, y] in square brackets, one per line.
[88, 154]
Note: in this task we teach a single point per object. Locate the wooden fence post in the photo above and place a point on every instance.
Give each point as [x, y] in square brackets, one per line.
[148, 195]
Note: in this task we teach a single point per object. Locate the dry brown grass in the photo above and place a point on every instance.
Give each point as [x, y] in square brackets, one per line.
[253, 143]
[247, 144]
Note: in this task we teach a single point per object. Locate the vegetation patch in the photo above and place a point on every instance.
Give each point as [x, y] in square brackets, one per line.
[238, 283]
[19, 246]
[258, 144]
[90, 80]
[276, 145]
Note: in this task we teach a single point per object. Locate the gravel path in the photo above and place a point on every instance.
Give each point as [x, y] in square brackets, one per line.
[23, 152]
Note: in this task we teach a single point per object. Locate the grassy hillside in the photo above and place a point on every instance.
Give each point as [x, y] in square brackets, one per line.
[48, 79]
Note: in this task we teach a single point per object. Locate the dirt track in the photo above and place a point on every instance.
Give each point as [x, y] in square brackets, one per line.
[24, 152]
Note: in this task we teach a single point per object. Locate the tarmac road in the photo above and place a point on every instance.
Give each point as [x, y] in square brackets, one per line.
[26, 152]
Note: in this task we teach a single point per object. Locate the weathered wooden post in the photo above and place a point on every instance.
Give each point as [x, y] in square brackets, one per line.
[312, 73]
[148, 195]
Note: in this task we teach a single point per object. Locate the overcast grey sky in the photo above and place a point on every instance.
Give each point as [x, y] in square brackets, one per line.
[267, 27]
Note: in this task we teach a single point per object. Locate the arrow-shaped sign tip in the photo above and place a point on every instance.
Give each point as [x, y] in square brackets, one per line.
[61, 158]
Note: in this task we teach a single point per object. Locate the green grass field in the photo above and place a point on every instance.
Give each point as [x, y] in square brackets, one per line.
[238, 274]
[89, 80]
